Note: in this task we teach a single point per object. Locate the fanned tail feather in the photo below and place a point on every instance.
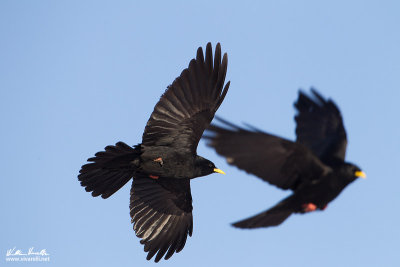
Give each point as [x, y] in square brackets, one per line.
[109, 170]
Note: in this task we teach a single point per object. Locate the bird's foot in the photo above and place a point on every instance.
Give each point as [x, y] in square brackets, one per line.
[308, 207]
[159, 160]
[155, 177]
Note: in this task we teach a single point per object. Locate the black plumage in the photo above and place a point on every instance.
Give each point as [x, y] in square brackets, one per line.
[163, 164]
[313, 166]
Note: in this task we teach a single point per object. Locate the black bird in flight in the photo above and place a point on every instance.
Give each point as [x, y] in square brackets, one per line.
[163, 164]
[313, 166]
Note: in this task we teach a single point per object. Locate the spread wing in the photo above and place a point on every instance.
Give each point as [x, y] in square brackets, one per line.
[187, 107]
[320, 126]
[161, 212]
[283, 163]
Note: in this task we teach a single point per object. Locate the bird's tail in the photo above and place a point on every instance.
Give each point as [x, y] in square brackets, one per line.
[109, 170]
[272, 217]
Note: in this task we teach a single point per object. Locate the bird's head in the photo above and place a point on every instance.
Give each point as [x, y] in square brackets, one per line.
[353, 172]
[205, 167]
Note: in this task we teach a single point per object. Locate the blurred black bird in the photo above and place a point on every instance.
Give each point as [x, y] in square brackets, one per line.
[313, 167]
[163, 164]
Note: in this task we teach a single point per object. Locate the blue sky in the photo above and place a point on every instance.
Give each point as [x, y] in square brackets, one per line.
[76, 76]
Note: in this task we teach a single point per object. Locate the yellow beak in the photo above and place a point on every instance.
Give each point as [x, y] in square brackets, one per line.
[218, 170]
[360, 174]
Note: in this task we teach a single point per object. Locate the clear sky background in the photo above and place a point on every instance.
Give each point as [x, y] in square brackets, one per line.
[76, 76]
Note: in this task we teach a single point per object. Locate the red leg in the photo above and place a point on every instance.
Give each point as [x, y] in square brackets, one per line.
[155, 177]
[308, 207]
[159, 160]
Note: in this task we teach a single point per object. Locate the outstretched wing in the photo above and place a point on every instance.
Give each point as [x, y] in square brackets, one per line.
[271, 217]
[278, 161]
[187, 107]
[320, 126]
[161, 212]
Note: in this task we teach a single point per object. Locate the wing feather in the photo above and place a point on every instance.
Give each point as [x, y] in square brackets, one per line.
[161, 212]
[320, 126]
[278, 161]
[188, 105]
